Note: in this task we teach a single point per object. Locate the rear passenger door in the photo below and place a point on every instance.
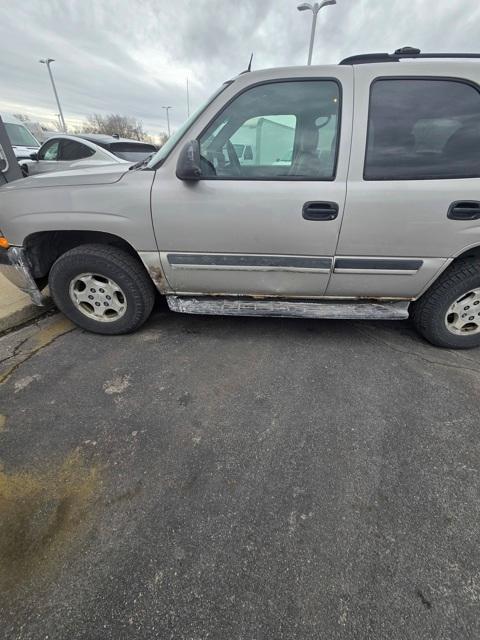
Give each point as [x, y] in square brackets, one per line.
[75, 154]
[414, 179]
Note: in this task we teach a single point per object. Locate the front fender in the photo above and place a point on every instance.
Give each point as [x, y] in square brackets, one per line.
[121, 209]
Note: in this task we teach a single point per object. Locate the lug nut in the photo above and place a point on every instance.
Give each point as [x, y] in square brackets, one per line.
[97, 304]
[90, 297]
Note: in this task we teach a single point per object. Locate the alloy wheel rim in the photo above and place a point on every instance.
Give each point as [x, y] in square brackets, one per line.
[98, 297]
[463, 316]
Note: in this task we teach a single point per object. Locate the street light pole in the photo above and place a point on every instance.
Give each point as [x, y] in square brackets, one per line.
[48, 61]
[168, 119]
[314, 8]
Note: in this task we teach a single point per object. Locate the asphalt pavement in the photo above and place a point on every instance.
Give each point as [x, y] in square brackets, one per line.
[238, 479]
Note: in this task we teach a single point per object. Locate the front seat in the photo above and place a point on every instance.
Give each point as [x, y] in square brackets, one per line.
[306, 161]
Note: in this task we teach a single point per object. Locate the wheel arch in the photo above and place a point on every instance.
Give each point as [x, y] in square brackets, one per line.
[44, 247]
[471, 252]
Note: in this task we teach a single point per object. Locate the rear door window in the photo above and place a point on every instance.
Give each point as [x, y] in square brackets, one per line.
[421, 128]
[73, 150]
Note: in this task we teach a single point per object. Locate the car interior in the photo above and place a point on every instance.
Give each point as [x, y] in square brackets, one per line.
[291, 128]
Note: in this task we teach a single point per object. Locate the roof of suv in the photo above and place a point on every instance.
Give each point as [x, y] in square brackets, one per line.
[406, 56]
[410, 53]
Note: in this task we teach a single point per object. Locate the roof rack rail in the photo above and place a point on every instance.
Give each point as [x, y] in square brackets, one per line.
[404, 52]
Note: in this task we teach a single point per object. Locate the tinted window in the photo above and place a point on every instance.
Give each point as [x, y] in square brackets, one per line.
[73, 150]
[50, 150]
[423, 129]
[131, 151]
[19, 135]
[289, 129]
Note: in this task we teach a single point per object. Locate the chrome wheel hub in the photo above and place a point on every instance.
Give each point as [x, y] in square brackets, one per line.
[463, 316]
[98, 297]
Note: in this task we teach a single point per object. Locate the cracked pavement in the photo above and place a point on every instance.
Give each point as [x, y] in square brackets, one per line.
[238, 478]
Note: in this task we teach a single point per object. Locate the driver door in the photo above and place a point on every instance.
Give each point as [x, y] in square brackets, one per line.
[265, 223]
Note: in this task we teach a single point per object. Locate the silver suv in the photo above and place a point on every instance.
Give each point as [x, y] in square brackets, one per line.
[359, 198]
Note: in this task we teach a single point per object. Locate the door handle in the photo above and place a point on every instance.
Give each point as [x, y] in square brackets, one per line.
[464, 210]
[320, 211]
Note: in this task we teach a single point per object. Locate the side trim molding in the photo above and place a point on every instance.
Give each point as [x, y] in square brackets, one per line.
[252, 262]
[401, 266]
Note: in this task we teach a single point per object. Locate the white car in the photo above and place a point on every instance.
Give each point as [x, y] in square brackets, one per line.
[22, 140]
[63, 152]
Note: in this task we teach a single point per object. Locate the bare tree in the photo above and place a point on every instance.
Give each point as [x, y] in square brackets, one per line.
[163, 138]
[115, 124]
[21, 116]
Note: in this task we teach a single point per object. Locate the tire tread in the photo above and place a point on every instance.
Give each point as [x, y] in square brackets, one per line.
[143, 292]
[425, 311]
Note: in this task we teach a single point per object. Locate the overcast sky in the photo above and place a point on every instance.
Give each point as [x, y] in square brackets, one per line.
[133, 56]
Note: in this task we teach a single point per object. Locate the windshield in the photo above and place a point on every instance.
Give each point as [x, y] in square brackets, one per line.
[172, 141]
[20, 136]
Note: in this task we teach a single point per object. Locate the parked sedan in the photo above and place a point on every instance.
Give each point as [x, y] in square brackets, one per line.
[63, 152]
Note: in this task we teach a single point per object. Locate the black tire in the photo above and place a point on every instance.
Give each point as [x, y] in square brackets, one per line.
[109, 262]
[429, 312]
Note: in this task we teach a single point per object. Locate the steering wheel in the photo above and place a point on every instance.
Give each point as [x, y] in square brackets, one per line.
[233, 159]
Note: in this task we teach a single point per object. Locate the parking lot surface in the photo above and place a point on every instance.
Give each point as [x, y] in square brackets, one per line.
[240, 479]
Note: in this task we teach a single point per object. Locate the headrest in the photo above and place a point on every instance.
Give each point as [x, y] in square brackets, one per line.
[308, 140]
[464, 142]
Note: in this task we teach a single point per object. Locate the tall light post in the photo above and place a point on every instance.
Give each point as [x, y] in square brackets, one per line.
[314, 8]
[48, 61]
[168, 119]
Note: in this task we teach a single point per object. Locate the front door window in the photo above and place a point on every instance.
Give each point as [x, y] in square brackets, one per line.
[279, 130]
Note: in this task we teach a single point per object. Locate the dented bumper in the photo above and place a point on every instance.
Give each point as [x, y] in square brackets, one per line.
[14, 266]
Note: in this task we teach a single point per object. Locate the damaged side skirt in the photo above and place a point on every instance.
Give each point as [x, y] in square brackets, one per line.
[328, 309]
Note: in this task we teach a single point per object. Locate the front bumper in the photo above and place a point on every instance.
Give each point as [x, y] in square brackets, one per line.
[14, 266]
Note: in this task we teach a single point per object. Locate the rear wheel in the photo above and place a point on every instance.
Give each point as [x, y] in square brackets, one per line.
[102, 289]
[448, 314]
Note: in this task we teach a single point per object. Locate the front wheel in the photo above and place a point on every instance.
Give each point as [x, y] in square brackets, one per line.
[448, 314]
[102, 289]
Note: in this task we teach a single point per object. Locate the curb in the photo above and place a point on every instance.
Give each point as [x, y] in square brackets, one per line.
[16, 308]
[23, 315]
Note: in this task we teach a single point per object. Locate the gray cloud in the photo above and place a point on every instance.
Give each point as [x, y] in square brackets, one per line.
[133, 56]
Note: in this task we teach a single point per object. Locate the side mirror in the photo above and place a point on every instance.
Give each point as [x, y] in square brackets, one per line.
[248, 153]
[34, 155]
[188, 163]
[3, 161]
